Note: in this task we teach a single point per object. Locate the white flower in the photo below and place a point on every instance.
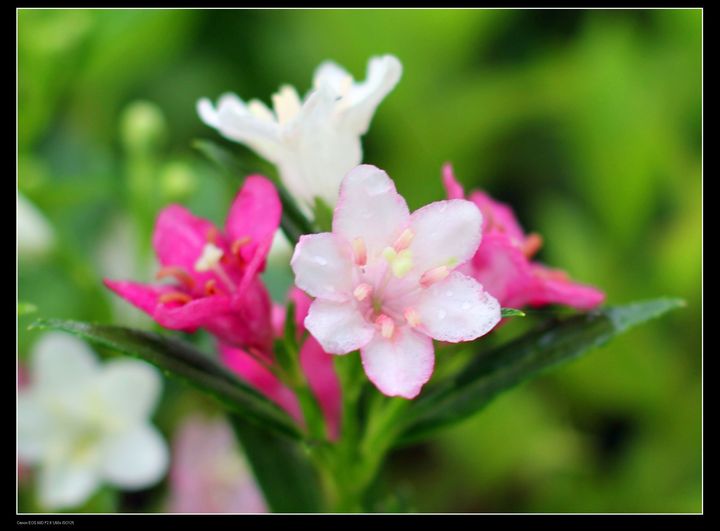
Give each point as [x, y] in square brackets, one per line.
[313, 142]
[83, 423]
[34, 233]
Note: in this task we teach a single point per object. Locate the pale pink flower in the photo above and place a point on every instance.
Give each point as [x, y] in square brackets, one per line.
[384, 281]
[503, 262]
[215, 275]
[208, 473]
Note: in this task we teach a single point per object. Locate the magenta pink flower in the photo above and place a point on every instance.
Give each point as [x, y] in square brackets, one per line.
[215, 274]
[209, 474]
[502, 263]
[317, 366]
[384, 281]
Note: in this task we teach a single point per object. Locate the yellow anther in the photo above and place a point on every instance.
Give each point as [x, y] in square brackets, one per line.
[362, 291]
[359, 251]
[209, 259]
[412, 317]
[403, 240]
[387, 326]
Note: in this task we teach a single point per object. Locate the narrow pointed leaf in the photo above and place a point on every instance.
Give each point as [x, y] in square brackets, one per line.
[179, 359]
[283, 471]
[502, 368]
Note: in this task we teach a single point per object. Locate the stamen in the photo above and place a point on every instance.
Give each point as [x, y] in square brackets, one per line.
[178, 273]
[434, 275]
[209, 259]
[403, 240]
[531, 245]
[412, 317]
[211, 287]
[174, 296]
[238, 244]
[359, 251]
[362, 291]
[386, 324]
[400, 262]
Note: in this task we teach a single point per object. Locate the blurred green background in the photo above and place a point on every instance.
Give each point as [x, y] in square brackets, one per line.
[587, 121]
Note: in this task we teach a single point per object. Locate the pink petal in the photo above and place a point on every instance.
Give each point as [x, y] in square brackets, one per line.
[254, 214]
[302, 306]
[457, 309]
[338, 326]
[323, 266]
[252, 371]
[370, 208]
[503, 270]
[320, 372]
[498, 217]
[179, 238]
[194, 314]
[555, 288]
[142, 296]
[453, 188]
[399, 366]
[446, 233]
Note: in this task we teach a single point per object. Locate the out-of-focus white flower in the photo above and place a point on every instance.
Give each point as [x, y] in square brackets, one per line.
[314, 142]
[34, 233]
[83, 423]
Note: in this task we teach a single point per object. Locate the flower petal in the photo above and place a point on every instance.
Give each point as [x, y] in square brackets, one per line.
[555, 288]
[131, 388]
[61, 361]
[383, 73]
[457, 309]
[236, 122]
[323, 266]
[179, 238]
[253, 372]
[254, 215]
[498, 217]
[143, 296]
[192, 315]
[135, 459]
[34, 429]
[399, 366]
[338, 326]
[63, 484]
[320, 372]
[370, 208]
[453, 188]
[447, 233]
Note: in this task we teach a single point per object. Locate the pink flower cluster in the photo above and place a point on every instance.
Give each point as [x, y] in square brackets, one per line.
[384, 281]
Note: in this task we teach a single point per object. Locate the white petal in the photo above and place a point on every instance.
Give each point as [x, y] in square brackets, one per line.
[63, 485]
[338, 326]
[130, 388]
[60, 361]
[33, 427]
[370, 208]
[323, 266]
[34, 232]
[399, 366]
[383, 74]
[135, 459]
[207, 113]
[457, 309]
[332, 74]
[447, 233]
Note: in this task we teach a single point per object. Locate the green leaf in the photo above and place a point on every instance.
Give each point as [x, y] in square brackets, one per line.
[323, 215]
[180, 359]
[282, 469]
[500, 369]
[511, 312]
[293, 221]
